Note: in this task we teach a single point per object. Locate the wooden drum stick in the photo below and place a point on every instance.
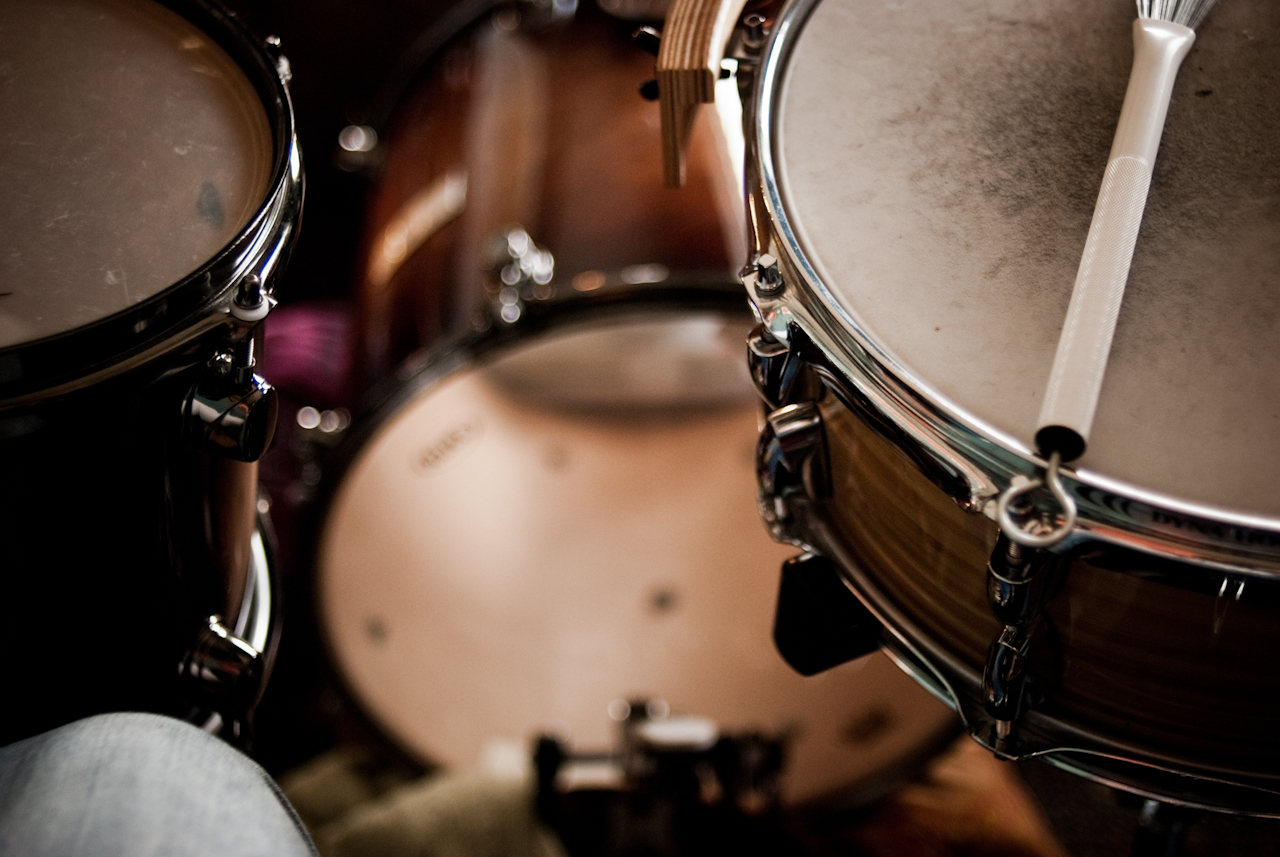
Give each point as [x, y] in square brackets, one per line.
[694, 37]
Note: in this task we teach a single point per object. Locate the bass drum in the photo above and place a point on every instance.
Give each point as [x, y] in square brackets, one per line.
[928, 172]
[551, 510]
[152, 190]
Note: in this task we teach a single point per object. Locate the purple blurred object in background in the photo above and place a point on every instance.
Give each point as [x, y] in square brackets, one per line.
[307, 352]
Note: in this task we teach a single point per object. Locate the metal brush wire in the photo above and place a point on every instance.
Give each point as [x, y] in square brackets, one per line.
[1188, 13]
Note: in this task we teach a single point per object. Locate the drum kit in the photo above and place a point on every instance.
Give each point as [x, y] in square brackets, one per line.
[579, 404]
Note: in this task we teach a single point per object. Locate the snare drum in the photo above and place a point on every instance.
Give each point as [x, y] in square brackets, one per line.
[551, 510]
[929, 172]
[153, 189]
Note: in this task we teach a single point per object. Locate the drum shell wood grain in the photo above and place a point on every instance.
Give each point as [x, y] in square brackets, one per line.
[1173, 671]
[548, 130]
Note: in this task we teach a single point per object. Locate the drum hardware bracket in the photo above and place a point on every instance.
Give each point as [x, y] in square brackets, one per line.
[773, 367]
[520, 271]
[1036, 531]
[781, 373]
[791, 467]
[283, 68]
[252, 302]
[819, 623]
[222, 672]
[1022, 662]
[768, 282]
[749, 37]
[230, 410]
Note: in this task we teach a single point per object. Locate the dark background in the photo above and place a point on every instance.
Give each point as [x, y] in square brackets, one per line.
[342, 54]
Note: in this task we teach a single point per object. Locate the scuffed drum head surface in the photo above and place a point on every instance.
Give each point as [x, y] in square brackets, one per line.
[132, 149]
[939, 163]
[496, 564]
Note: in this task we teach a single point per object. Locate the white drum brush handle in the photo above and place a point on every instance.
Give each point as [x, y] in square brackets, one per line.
[1081, 360]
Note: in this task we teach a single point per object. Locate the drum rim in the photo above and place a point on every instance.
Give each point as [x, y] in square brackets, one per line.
[680, 291]
[975, 460]
[72, 359]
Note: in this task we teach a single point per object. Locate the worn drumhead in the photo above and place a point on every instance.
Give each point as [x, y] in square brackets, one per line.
[133, 150]
[939, 164]
[506, 556]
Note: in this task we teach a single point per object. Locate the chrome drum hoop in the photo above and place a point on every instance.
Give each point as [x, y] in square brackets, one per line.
[201, 300]
[968, 458]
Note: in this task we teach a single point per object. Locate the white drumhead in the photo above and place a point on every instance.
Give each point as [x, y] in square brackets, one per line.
[939, 163]
[133, 149]
[501, 560]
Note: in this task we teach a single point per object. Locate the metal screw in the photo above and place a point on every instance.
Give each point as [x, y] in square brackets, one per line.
[768, 281]
[249, 295]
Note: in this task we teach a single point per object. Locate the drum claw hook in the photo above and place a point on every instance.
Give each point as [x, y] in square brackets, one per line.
[1021, 486]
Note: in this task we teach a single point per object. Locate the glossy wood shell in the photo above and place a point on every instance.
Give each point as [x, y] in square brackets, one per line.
[548, 130]
[1153, 658]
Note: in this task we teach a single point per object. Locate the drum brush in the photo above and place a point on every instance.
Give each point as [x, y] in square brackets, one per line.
[1162, 36]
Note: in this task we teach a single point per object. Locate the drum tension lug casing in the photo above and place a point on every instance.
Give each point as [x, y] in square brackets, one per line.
[780, 373]
[519, 271]
[819, 622]
[773, 369]
[1024, 663]
[792, 467]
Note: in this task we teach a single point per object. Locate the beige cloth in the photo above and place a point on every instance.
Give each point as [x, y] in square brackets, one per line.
[966, 803]
[353, 811]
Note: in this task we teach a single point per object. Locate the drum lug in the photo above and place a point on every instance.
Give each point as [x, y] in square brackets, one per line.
[773, 369]
[230, 410]
[222, 672]
[819, 622]
[791, 465]
[283, 69]
[781, 375]
[1008, 685]
[1017, 578]
[1023, 663]
[520, 271]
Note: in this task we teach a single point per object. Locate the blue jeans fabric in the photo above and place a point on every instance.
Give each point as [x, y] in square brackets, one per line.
[140, 785]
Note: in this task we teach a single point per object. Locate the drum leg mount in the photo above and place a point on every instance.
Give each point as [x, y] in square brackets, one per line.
[231, 412]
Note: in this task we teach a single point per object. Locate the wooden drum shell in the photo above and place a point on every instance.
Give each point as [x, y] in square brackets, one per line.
[546, 129]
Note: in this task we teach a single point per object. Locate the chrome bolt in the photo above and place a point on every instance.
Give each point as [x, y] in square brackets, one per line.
[768, 280]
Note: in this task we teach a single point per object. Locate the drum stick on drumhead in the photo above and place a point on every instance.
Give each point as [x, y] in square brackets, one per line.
[1162, 36]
